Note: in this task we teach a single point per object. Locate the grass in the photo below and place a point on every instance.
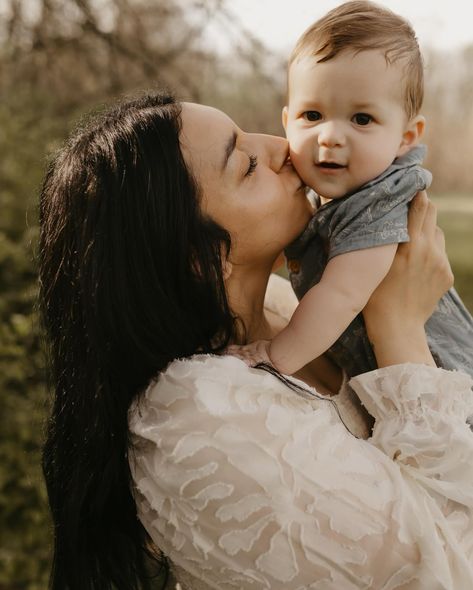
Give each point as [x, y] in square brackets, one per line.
[455, 217]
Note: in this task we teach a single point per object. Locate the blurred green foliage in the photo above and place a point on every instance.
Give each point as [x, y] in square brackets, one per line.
[47, 82]
[455, 217]
[25, 138]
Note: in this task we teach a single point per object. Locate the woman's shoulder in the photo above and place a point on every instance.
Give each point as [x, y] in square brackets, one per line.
[201, 369]
[227, 373]
[190, 373]
[222, 387]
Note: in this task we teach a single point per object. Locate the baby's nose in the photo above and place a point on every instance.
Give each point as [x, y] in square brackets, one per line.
[331, 134]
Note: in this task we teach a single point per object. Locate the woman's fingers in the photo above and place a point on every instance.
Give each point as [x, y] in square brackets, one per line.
[429, 243]
[430, 220]
[444, 268]
[440, 238]
[420, 272]
[417, 213]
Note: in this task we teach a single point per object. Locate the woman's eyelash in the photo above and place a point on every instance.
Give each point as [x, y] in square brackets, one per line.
[252, 166]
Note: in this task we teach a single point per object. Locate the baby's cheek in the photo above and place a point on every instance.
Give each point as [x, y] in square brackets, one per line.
[306, 169]
[301, 161]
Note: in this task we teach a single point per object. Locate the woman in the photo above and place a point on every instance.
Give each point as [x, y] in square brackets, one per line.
[160, 224]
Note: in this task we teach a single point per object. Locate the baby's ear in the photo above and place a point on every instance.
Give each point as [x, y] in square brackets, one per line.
[284, 118]
[412, 134]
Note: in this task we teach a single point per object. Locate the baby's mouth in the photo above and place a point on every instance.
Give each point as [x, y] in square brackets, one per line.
[332, 165]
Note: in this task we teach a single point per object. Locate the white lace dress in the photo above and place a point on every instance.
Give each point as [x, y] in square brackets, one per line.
[244, 484]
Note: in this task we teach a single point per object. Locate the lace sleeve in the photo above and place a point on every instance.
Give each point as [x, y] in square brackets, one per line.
[244, 484]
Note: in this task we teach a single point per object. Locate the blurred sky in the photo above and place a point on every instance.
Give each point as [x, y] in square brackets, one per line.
[441, 24]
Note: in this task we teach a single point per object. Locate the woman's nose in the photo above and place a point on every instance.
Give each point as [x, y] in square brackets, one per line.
[330, 135]
[276, 151]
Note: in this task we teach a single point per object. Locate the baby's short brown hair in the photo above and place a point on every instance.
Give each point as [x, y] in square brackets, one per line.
[360, 25]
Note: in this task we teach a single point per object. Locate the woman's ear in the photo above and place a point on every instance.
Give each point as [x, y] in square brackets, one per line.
[412, 135]
[284, 117]
[227, 269]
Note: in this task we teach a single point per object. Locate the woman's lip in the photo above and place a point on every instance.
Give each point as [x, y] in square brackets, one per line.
[301, 186]
[289, 165]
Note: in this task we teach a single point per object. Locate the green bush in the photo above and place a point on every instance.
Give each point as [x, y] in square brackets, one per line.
[24, 520]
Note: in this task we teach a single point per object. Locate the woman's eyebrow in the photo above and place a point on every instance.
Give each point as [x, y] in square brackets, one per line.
[229, 148]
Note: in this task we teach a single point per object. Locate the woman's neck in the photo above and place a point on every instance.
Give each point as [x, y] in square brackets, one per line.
[246, 292]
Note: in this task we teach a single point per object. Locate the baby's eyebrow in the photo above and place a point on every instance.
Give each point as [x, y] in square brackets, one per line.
[364, 105]
[229, 148]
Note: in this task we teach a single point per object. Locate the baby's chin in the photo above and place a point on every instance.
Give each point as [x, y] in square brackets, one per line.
[329, 192]
[336, 193]
[329, 195]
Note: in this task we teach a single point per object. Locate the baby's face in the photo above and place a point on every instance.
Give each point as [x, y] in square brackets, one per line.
[345, 120]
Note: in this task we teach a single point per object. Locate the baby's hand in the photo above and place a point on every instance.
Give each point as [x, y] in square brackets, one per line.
[252, 354]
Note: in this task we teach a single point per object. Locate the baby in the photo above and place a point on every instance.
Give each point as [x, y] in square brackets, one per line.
[355, 90]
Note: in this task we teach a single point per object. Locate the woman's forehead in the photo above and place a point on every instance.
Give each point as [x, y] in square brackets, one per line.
[204, 134]
[201, 122]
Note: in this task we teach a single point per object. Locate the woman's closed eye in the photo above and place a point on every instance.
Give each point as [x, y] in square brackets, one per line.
[253, 163]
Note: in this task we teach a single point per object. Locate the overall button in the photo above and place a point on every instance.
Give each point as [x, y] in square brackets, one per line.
[294, 265]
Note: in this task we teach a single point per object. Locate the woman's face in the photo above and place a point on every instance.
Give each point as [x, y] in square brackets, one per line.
[248, 186]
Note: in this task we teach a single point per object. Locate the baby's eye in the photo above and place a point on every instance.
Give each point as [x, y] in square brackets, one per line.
[362, 119]
[312, 115]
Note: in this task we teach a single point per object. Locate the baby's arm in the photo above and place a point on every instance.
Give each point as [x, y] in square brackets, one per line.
[324, 312]
[328, 308]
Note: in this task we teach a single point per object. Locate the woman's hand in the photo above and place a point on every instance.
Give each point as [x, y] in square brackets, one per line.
[420, 274]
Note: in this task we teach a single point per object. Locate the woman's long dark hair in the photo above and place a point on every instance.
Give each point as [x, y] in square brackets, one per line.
[130, 279]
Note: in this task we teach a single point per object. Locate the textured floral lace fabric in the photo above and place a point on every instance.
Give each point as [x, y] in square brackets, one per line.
[245, 484]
